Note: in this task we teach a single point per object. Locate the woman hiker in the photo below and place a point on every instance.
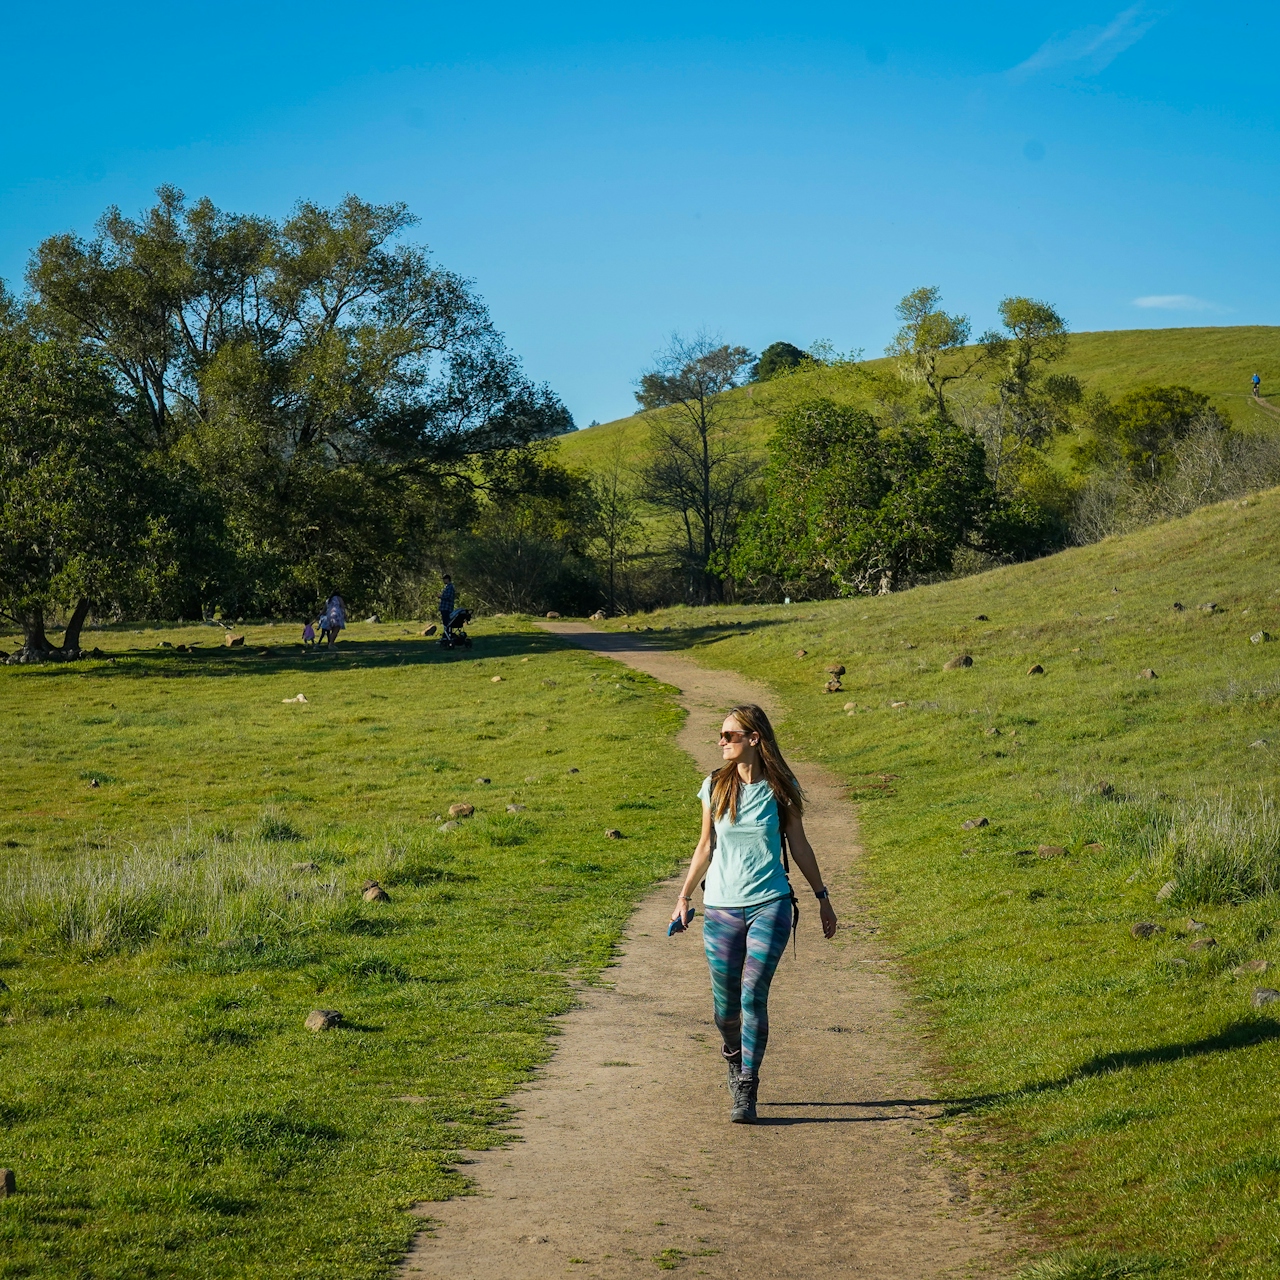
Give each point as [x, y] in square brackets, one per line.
[751, 803]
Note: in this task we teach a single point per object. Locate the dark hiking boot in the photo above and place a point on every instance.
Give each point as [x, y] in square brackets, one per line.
[734, 1062]
[745, 1089]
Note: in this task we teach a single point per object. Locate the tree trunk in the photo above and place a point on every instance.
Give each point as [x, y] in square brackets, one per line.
[71, 636]
[34, 639]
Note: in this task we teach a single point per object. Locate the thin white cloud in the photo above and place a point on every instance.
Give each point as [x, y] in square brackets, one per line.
[1176, 302]
[1091, 49]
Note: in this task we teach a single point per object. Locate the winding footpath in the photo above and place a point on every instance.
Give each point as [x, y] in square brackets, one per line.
[627, 1162]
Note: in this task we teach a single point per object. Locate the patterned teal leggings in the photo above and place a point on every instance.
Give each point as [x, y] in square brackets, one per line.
[744, 945]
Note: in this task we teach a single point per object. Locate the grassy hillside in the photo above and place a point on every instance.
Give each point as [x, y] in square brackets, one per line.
[183, 853]
[1122, 1089]
[1219, 361]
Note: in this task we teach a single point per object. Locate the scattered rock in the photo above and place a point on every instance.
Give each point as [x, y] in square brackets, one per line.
[1146, 929]
[1105, 788]
[835, 669]
[495, 679]
[516, 808]
[802, 653]
[573, 770]
[182, 648]
[551, 613]
[302, 697]
[8, 1183]
[482, 782]
[1263, 996]
[833, 686]
[853, 711]
[322, 1019]
[306, 866]
[1202, 944]
[981, 617]
[531, 778]
[93, 782]
[1258, 742]
[1250, 966]
[1165, 891]
[851, 706]
[548, 684]
[1147, 674]
[598, 616]
[373, 617]
[233, 641]
[993, 732]
[1261, 637]
[1211, 607]
[376, 893]
[449, 826]
[957, 663]
[896, 705]
[166, 644]
[429, 631]
[1035, 669]
[1095, 847]
[973, 823]
[461, 810]
[612, 833]
[1179, 606]
[1051, 851]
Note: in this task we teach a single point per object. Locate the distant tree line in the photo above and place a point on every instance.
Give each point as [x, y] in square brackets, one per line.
[205, 413]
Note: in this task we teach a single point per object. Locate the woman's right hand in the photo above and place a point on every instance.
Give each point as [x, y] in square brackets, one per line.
[683, 912]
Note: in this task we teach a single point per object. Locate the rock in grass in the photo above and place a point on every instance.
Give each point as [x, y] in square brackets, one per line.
[482, 782]
[1194, 926]
[598, 616]
[1145, 929]
[1250, 966]
[896, 706]
[1179, 606]
[1165, 891]
[1147, 674]
[833, 686]
[612, 833]
[993, 732]
[574, 770]
[1051, 851]
[1263, 996]
[306, 866]
[836, 669]
[1203, 944]
[374, 892]
[8, 1183]
[1094, 846]
[958, 663]
[322, 1019]
[234, 642]
[429, 631]
[1105, 788]
[551, 613]
[1035, 669]
[461, 810]
[981, 617]
[373, 617]
[451, 825]
[93, 782]
[495, 679]
[1258, 742]
[971, 823]
[516, 808]
[851, 706]
[531, 778]
[802, 653]
[302, 697]
[1261, 637]
[1211, 607]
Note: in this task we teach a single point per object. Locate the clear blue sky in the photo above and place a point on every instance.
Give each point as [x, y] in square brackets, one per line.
[607, 174]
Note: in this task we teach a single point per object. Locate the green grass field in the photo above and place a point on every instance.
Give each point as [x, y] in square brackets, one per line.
[1219, 361]
[164, 933]
[1124, 1090]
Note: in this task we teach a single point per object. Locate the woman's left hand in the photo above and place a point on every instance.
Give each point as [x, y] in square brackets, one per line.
[828, 915]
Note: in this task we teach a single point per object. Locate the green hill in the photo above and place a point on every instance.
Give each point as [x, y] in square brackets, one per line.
[1219, 361]
[1121, 1089]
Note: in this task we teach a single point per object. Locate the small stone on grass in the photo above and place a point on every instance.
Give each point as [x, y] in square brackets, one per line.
[322, 1019]
[1146, 929]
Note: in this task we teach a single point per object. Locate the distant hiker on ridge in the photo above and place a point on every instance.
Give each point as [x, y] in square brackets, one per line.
[1257, 382]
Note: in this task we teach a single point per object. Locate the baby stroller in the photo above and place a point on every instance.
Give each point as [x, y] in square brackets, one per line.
[455, 637]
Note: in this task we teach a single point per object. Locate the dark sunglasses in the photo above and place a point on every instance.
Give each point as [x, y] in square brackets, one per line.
[734, 735]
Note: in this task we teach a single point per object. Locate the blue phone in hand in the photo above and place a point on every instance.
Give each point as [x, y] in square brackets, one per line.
[679, 926]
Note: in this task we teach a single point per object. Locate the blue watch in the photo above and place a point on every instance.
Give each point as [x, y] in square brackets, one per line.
[822, 895]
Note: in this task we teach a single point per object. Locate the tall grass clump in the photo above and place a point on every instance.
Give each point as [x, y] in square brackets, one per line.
[1223, 848]
[183, 889]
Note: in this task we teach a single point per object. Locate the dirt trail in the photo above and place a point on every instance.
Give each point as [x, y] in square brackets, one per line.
[628, 1159]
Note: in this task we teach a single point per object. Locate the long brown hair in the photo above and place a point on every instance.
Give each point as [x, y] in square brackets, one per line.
[726, 782]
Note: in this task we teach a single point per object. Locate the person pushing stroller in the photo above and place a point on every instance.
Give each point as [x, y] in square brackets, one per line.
[452, 617]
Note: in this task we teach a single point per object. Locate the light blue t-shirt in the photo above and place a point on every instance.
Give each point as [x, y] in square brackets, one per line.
[746, 869]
